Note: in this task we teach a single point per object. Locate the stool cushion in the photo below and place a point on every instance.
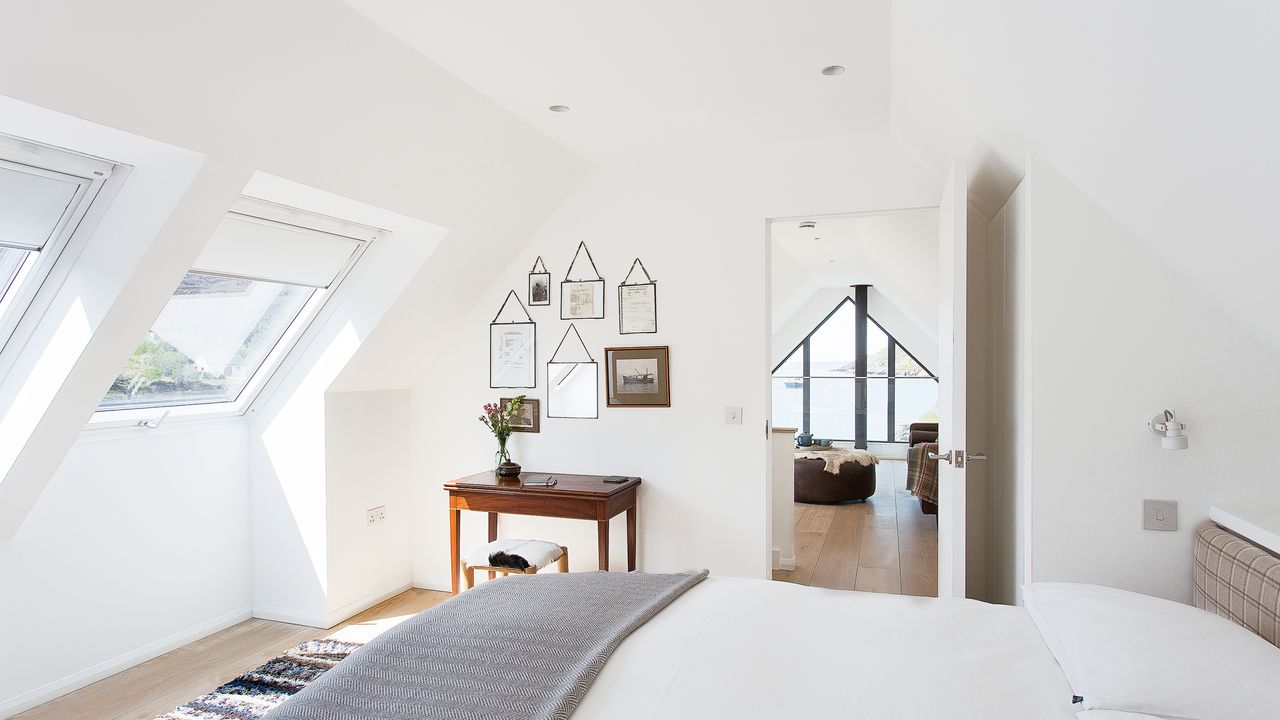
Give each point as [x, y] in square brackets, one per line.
[538, 553]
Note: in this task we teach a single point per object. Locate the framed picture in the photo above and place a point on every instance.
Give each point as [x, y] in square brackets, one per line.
[512, 349]
[573, 386]
[637, 303]
[529, 417]
[582, 299]
[539, 284]
[638, 376]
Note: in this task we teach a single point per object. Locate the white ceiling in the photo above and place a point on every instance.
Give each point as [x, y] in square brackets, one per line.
[897, 253]
[1164, 113]
[665, 75]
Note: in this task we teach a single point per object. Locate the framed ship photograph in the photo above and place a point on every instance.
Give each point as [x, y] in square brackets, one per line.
[638, 376]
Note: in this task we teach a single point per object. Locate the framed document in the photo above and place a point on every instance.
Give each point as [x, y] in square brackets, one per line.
[512, 350]
[582, 299]
[637, 303]
[539, 284]
[638, 376]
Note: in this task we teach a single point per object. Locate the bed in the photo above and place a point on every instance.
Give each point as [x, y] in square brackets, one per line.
[738, 648]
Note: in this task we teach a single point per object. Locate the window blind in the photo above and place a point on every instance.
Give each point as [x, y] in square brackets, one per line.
[278, 252]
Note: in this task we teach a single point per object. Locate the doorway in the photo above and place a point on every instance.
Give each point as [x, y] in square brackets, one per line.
[854, 315]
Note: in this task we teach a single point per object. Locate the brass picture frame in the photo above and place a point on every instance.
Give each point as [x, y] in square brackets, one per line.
[638, 376]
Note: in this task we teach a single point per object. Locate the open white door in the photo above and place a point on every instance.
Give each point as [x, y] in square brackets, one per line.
[952, 319]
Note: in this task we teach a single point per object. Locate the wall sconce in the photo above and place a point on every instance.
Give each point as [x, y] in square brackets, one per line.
[1172, 433]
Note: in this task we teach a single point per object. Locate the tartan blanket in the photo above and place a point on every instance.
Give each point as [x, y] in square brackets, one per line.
[922, 473]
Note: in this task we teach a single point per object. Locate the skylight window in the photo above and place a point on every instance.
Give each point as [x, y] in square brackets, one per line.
[245, 303]
[45, 193]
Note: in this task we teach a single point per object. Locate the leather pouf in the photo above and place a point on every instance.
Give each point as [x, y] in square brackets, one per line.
[816, 485]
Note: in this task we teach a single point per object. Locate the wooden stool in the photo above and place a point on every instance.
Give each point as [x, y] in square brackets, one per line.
[469, 569]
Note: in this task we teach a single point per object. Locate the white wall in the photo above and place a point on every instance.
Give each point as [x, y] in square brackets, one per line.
[698, 224]
[309, 91]
[1110, 335]
[368, 462]
[139, 545]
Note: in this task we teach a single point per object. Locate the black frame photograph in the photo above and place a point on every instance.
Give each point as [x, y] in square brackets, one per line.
[638, 376]
[539, 284]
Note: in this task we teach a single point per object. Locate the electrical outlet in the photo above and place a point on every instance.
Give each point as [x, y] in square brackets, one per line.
[733, 416]
[1159, 515]
[377, 515]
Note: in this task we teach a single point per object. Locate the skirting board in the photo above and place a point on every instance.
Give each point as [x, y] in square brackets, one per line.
[327, 620]
[52, 690]
[781, 563]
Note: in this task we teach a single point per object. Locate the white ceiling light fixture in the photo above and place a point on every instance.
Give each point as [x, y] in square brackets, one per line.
[833, 70]
[559, 108]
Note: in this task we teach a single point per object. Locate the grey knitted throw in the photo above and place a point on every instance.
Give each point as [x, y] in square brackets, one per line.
[525, 647]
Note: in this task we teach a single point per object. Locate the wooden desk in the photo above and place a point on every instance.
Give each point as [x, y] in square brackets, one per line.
[577, 497]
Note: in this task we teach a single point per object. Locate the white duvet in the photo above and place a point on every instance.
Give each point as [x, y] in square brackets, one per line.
[739, 648]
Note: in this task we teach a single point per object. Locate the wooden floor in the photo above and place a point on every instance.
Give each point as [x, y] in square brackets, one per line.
[158, 686]
[883, 545]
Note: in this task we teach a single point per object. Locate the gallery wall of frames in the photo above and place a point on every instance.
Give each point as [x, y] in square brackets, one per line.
[634, 376]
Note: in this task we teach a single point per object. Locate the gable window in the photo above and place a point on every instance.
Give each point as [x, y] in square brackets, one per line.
[250, 296]
[817, 386]
[45, 195]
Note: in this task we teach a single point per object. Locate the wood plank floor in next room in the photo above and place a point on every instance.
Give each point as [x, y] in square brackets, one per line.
[161, 684]
[883, 545]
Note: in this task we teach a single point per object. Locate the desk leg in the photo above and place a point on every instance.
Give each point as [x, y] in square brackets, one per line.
[455, 543]
[631, 539]
[493, 535]
[602, 537]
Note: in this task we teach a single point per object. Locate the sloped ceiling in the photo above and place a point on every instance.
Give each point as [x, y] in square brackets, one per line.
[897, 253]
[661, 76]
[1164, 113]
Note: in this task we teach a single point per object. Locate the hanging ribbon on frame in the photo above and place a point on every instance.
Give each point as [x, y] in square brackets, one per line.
[582, 299]
[513, 349]
[637, 303]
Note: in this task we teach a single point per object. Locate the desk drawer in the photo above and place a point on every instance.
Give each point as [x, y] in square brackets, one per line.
[562, 507]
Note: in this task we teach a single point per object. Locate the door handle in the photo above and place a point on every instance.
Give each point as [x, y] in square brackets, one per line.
[977, 456]
[946, 457]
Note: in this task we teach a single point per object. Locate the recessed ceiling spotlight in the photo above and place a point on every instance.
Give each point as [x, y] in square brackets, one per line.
[831, 261]
[833, 70]
[565, 108]
[808, 225]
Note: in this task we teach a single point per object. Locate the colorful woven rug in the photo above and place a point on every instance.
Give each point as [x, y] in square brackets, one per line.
[259, 691]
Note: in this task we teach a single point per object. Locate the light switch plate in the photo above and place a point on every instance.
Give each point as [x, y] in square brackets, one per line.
[1159, 514]
[733, 416]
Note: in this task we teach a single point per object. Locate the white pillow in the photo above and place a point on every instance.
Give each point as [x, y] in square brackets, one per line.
[1131, 652]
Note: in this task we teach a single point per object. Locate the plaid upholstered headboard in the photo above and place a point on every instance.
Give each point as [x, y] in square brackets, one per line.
[1238, 580]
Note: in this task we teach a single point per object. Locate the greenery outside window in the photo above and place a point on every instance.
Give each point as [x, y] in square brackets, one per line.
[249, 298]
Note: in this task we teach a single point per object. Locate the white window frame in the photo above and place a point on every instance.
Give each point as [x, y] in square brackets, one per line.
[40, 280]
[296, 338]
